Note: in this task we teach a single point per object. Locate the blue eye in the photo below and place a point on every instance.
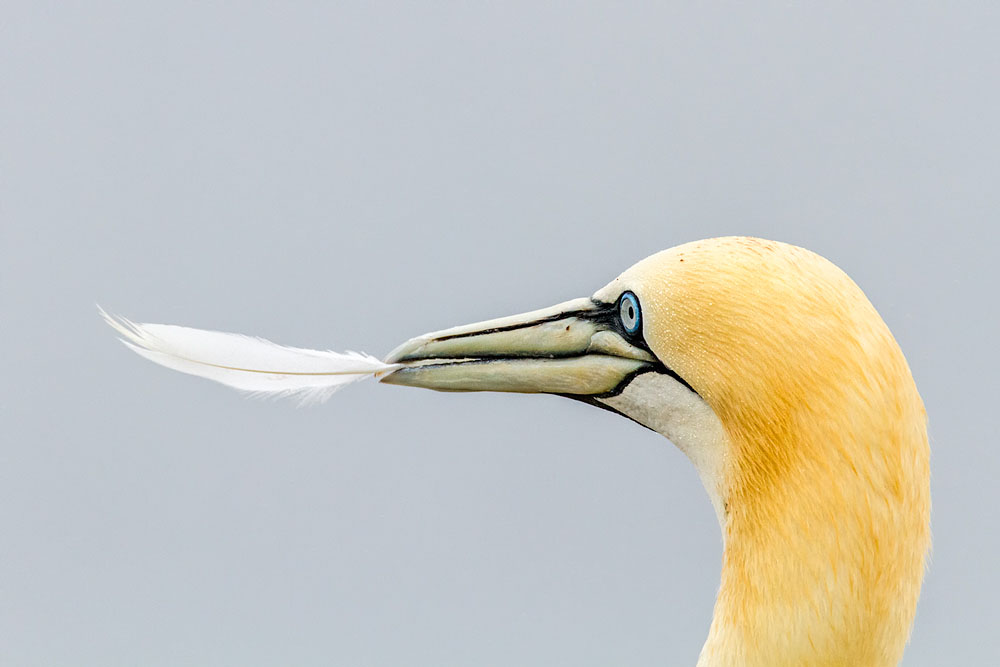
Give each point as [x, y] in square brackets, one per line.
[628, 312]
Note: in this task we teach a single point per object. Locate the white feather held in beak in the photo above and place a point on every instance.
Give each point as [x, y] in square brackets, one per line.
[247, 363]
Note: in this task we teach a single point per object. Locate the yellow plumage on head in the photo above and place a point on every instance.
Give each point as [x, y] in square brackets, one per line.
[827, 481]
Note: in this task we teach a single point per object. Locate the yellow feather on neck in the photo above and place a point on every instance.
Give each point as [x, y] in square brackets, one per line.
[826, 478]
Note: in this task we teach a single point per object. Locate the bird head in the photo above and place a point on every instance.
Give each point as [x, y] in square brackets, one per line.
[773, 372]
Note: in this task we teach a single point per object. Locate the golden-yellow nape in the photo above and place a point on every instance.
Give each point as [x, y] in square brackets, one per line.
[773, 372]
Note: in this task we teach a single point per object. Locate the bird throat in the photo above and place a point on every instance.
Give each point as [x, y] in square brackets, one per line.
[661, 403]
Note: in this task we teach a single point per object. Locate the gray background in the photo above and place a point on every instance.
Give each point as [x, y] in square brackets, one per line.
[351, 176]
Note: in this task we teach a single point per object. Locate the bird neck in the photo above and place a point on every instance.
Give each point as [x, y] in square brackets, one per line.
[826, 527]
[824, 522]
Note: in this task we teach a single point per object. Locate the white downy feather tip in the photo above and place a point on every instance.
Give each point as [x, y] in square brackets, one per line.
[247, 363]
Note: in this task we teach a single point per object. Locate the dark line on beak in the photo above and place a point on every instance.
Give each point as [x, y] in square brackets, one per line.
[658, 367]
[602, 313]
[579, 314]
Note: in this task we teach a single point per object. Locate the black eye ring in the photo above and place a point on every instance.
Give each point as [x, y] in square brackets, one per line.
[629, 313]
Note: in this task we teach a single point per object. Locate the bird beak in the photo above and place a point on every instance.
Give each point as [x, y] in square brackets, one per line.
[576, 348]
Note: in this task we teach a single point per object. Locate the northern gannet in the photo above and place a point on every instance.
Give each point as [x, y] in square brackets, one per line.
[765, 364]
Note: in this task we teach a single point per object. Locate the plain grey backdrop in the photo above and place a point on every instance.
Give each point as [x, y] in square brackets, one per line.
[348, 175]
